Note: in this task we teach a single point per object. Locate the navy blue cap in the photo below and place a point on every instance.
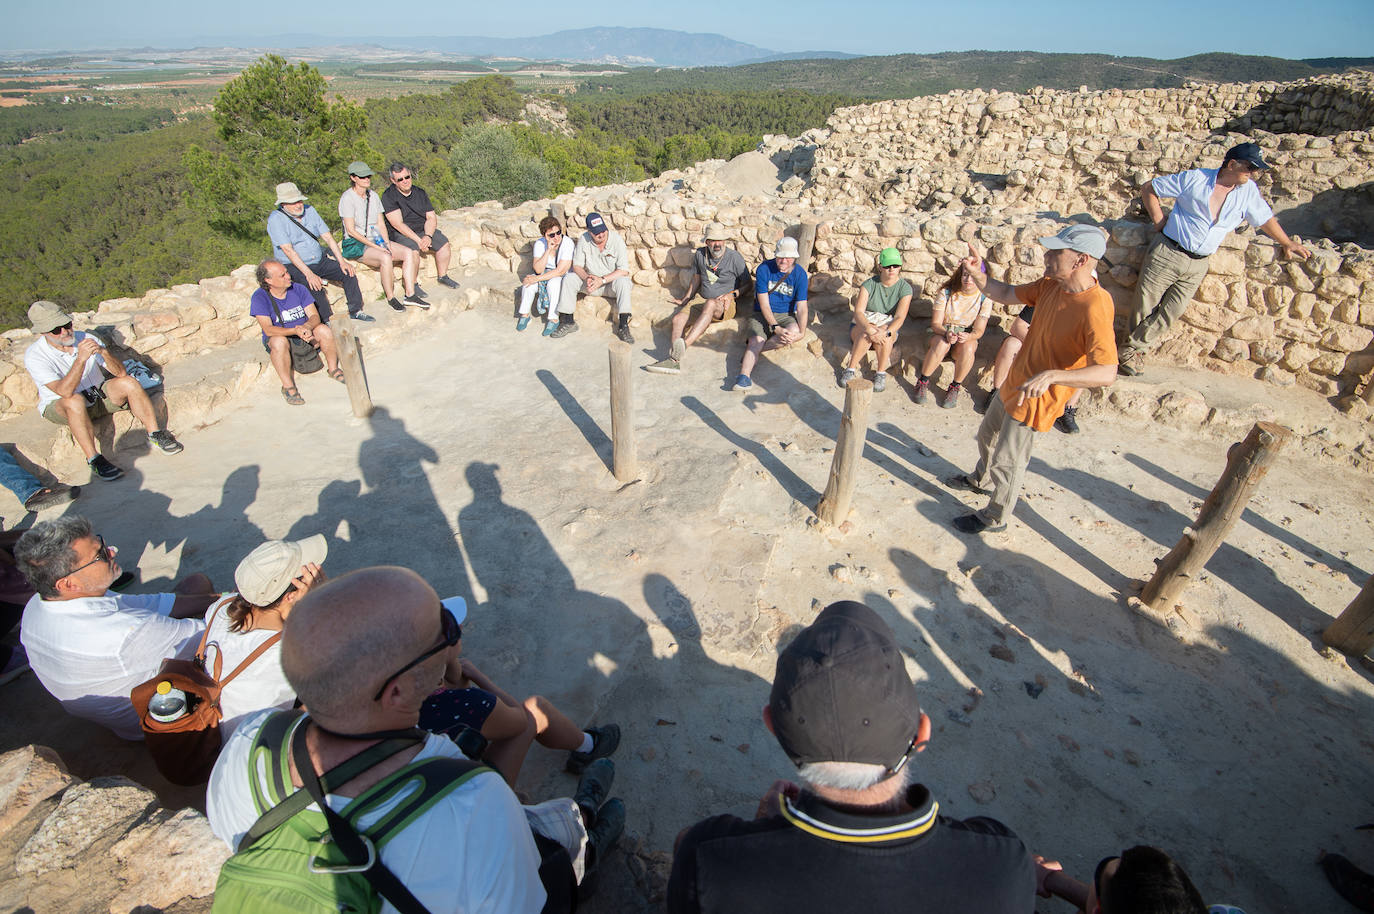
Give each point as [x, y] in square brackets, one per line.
[1249, 153]
[595, 224]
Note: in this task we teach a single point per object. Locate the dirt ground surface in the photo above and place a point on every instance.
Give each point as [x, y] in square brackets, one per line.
[1228, 738]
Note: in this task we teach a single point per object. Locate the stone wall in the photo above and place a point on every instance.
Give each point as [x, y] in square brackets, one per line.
[927, 175]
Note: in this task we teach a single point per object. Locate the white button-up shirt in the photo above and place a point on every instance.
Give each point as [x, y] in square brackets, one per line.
[90, 652]
[1190, 221]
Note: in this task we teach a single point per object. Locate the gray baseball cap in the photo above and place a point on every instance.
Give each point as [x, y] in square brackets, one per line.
[1085, 239]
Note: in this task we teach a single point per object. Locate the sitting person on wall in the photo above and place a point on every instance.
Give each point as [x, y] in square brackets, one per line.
[719, 273]
[957, 324]
[32, 494]
[299, 238]
[79, 380]
[414, 223]
[601, 266]
[780, 288]
[87, 645]
[880, 309]
[553, 257]
[270, 580]
[468, 699]
[365, 238]
[285, 310]
[1001, 367]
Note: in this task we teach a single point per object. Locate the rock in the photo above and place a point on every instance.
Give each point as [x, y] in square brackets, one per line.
[1003, 653]
[87, 813]
[28, 776]
[982, 792]
[170, 857]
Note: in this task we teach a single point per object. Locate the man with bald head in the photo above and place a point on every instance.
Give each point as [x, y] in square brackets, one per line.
[363, 652]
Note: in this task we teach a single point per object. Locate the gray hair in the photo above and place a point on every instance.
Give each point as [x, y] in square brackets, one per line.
[44, 553]
[399, 166]
[852, 775]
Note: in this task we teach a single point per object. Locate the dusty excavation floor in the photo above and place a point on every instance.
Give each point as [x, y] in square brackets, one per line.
[660, 604]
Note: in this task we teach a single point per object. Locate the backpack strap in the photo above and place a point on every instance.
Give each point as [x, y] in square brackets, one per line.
[257, 652]
[298, 222]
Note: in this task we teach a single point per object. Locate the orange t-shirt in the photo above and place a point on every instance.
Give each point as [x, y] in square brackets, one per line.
[1068, 331]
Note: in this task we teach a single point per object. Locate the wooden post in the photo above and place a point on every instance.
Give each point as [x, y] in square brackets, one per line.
[624, 464]
[557, 211]
[355, 375]
[806, 242]
[1353, 631]
[1246, 465]
[849, 449]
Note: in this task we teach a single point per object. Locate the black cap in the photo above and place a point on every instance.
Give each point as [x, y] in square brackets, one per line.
[841, 692]
[1249, 153]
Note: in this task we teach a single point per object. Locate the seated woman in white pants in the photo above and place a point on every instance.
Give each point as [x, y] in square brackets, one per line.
[553, 254]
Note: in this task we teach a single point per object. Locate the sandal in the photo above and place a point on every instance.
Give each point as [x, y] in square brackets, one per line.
[293, 396]
[337, 374]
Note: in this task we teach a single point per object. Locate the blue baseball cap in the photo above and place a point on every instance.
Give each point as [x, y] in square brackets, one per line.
[595, 224]
[1249, 153]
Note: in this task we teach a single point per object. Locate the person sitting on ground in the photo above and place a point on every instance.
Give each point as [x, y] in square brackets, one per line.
[858, 834]
[363, 652]
[365, 239]
[601, 266]
[468, 699]
[414, 223]
[32, 494]
[957, 323]
[270, 580]
[299, 239]
[284, 309]
[880, 309]
[79, 381]
[780, 288]
[719, 272]
[1001, 366]
[1142, 880]
[89, 646]
[553, 257]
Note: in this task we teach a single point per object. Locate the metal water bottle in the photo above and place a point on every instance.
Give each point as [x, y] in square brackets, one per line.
[167, 704]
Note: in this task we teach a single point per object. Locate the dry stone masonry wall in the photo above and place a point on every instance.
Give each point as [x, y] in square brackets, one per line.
[928, 175]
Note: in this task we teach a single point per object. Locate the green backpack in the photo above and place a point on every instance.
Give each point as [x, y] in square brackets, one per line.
[296, 860]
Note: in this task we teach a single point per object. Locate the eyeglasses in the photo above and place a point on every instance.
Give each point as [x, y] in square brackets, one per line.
[452, 633]
[63, 329]
[906, 756]
[1097, 873]
[103, 554]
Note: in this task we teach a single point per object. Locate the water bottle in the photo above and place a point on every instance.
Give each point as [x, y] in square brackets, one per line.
[376, 236]
[167, 704]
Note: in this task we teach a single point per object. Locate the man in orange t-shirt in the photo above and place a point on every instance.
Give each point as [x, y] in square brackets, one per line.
[1070, 344]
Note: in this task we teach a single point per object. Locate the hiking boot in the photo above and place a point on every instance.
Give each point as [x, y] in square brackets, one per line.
[848, 375]
[104, 469]
[623, 333]
[594, 788]
[601, 837]
[56, 494]
[563, 330]
[447, 283]
[362, 318]
[1068, 423]
[743, 382]
[678, 349]
[951, 399]
[922, 392]
[414, 300]
[973, 525]
[605, 740]
[165, 442]
[964, 483]
[395, 304]
[666, 366]
[550, 328]
[522, 323]
[1131, 363]
[982, 407]
[880, 382]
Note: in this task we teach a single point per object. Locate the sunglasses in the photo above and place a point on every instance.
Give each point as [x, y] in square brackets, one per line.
[452, 633]
[103, 554]
[399, 178]
[1097, 873]
[63, 329]
[554, 234]
[892, 266]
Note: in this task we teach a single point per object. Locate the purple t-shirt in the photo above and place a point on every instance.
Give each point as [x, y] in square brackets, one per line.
[292, 306]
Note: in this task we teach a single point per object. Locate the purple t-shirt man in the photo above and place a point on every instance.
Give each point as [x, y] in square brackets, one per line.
[292, 306]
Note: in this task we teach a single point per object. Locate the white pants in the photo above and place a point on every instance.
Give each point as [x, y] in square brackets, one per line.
[529, 294]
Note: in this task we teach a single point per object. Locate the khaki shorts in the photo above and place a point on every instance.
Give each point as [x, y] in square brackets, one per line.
[758, 328]
[729, 311]
[96, 407]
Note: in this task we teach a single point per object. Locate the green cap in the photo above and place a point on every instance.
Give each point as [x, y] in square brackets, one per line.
[890, 257]
[359, 170]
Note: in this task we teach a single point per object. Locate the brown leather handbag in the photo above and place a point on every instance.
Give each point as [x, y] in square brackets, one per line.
[185, 749]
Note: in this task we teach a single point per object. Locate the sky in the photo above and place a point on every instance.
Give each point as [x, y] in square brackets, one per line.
[1162, 29]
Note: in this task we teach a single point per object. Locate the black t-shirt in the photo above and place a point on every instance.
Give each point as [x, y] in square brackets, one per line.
[413, 208]
[812, 857]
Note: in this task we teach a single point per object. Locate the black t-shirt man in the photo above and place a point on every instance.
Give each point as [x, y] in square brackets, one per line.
[413, 208]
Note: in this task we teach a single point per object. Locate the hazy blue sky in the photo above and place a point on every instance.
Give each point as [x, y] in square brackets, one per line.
[1164, 28]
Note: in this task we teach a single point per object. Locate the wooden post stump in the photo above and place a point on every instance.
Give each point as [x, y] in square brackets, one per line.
[806, 243]
[558, 211]
[1353, 631]
[355, 375]
[849, 448]
[1247, 463]
[624, 463]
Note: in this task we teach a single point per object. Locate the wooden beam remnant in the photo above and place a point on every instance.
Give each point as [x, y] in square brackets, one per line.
[625, 462]
[1353, 631]
[849, 448]
[355, 374]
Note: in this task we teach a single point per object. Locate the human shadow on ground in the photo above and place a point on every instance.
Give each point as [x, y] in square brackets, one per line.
[795, 487]
[1356, 575]
[217, 537]
[598, 439]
